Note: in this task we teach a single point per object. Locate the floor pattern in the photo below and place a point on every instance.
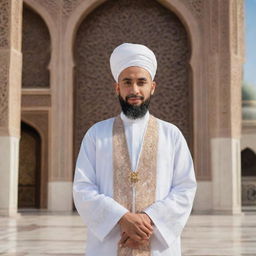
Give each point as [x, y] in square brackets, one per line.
[34, 234]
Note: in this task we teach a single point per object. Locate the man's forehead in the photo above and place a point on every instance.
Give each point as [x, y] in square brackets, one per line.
[134, 73]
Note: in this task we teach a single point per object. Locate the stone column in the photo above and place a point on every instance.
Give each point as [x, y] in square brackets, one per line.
[10, 97]
[226, 109]
[60, 177]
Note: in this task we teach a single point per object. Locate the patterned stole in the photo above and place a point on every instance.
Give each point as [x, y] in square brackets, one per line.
[144, 179]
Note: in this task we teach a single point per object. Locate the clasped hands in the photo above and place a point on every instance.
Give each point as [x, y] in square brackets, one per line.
[136, 229]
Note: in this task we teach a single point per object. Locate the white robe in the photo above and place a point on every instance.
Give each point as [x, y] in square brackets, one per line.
[93, 187]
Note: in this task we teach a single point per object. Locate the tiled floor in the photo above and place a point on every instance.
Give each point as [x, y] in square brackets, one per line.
[49, 234]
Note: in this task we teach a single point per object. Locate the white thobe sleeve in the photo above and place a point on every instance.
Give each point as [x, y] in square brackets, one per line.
[170, 214]
[99, 212]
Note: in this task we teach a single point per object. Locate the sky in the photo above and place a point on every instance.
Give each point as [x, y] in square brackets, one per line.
[250, 43]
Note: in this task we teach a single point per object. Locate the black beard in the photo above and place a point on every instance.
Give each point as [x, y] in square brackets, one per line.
[134, 111]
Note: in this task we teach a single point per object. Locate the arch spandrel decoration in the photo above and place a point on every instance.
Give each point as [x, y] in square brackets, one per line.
[128, 20]
[36, 52]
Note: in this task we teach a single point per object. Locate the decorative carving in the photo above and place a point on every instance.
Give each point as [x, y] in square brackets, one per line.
[4, 74]
[36, 101]
[4, 23]
[115, 22]
[16, 26]
[240, 14]
[249, 191]
[53, 7]
[224, 110]
[234, 40]
[36, 53]
[69, 5]
[237, 26]
[196, 6]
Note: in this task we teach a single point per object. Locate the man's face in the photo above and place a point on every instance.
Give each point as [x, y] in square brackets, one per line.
[135, 88]
[135, 85]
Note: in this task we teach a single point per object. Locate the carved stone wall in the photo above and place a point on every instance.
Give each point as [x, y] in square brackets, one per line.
[4, 24]
[110, 25]
[249, 191]
[36, 48]
[4, 66]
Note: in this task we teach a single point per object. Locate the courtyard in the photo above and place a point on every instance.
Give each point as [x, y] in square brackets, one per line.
[44, 233]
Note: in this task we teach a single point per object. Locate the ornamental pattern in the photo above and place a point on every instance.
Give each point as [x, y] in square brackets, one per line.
[16, 19]
[53, 7]
[68, 6]
[4, 23]
[146, 22]
[36, 53]
[249, 191]
[4, 72]
[196, 6]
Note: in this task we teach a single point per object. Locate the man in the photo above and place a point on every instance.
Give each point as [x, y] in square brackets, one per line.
[134, 182]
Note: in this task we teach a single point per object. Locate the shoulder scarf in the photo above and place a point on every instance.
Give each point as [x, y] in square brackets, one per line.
[146, 185]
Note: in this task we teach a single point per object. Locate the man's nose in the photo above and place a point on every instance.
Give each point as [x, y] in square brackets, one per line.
[135, 88]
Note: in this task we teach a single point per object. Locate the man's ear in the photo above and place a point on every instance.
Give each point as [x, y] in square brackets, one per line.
[116, 86]
[153, 87]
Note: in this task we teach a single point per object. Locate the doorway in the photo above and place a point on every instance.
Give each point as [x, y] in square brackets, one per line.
[29, 168]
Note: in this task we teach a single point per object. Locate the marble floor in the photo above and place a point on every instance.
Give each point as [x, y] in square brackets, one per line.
[43, 233]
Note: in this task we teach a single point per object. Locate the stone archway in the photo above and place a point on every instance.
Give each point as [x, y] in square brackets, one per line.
[29, 168]
[111, 24]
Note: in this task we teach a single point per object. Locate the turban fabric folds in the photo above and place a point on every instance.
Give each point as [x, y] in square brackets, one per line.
[128, 55]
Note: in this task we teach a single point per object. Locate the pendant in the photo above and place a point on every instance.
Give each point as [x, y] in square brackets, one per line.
[134, 177]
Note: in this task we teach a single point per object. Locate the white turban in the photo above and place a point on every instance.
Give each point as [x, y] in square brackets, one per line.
[128, 55]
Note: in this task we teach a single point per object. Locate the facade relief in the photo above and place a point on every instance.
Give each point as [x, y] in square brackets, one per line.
[36, 53]
[4, 24]
[4, 66]
[108, 26]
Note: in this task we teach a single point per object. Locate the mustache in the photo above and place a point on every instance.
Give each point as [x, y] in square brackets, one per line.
[134, 97]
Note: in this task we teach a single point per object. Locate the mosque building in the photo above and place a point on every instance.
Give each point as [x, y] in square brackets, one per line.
[56, 82]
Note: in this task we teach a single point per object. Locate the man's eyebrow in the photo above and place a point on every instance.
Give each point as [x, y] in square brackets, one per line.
[126, 79]
[142, 78]
[129, 79]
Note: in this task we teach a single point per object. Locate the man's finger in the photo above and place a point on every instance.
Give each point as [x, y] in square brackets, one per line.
[144, 232]
[136, 237]
[132, 244]
[123, 238]
[149, 226]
